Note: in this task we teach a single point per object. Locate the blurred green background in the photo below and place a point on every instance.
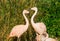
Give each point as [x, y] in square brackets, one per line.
[11, 15]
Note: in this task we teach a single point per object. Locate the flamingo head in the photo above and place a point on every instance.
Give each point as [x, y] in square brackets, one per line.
[25, 11]
[34, 8]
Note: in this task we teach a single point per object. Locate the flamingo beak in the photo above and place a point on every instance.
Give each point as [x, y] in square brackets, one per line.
[34, 8]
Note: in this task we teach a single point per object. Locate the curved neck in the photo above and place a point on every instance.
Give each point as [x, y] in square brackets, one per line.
[27, 22]
[32, 21]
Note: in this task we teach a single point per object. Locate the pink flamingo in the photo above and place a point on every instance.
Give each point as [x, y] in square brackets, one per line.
[48, 39]
[40, 28]
[18, 30]
[43, 38]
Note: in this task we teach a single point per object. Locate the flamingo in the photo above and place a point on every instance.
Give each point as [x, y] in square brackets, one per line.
[48, 39]
[18, 30]
[40, 28]
[43, 38]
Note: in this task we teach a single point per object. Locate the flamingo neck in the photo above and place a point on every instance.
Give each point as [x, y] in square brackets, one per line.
[32, 21]
[27, 22]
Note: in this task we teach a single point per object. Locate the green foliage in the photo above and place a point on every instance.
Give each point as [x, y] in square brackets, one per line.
[11, 15]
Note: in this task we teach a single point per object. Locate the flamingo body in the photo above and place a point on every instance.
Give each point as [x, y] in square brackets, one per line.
[40, 28]
[18, 30]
